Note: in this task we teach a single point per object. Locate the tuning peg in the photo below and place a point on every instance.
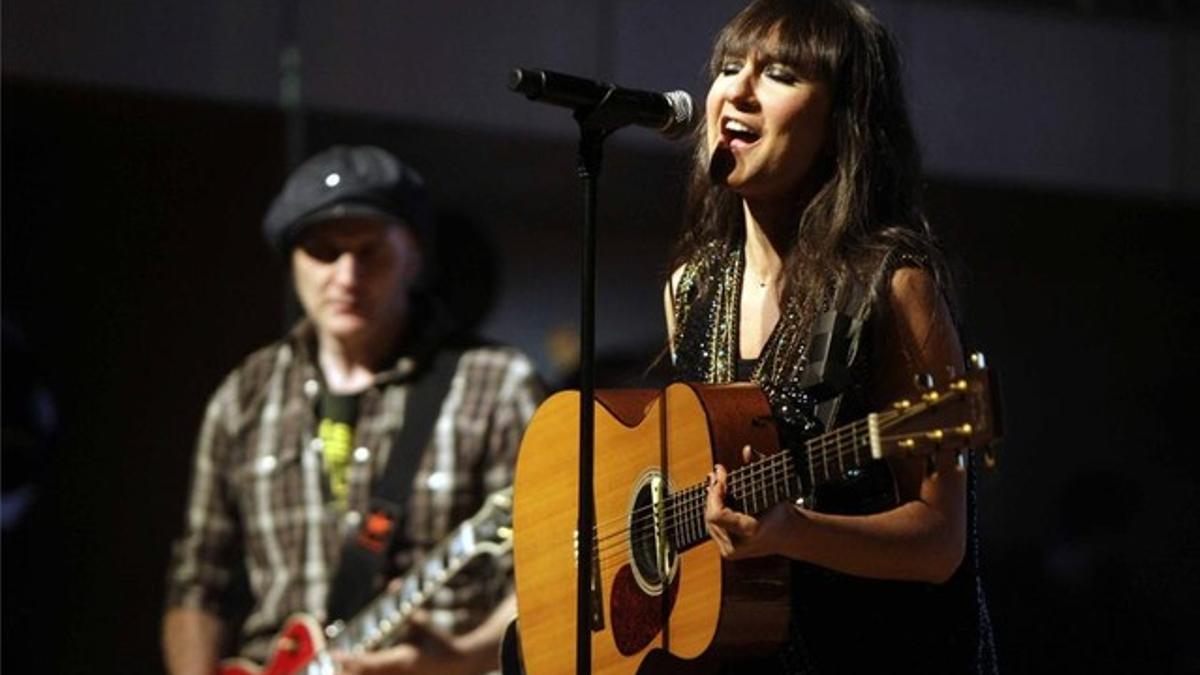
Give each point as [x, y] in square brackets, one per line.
[977, 361]
[924, 381]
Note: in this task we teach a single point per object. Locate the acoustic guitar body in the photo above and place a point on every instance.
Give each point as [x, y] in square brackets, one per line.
[654, 608]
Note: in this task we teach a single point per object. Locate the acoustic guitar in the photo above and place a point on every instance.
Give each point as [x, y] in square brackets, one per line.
[303, 647]
[663, 598]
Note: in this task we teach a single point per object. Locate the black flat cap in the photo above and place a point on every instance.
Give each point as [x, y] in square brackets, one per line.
[342, 182]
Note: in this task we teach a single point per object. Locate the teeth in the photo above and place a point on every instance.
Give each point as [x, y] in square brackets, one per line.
[737, 127]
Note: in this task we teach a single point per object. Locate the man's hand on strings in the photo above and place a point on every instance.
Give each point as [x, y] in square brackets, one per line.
[430, 650]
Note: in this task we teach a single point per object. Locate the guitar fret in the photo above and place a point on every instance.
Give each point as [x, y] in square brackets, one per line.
[685, 517]
[783, 477]
[841, 462]
[786, 472]
[685, 514]
[688, 517]
[825, 456]
[808, 459]
[857, 444]
[673, 521]
[794, 475]
[772, 469]
[760, 493]
[760, 486]
[799, 484]
[772, 477]
[764, 484]
[787, 469]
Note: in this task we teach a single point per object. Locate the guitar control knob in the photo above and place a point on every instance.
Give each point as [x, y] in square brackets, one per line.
[977, 361]
[924, 381]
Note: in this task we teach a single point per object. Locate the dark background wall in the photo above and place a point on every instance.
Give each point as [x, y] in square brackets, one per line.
[133, 266]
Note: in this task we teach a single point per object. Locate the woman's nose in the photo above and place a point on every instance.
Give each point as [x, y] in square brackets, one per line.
[740, 90]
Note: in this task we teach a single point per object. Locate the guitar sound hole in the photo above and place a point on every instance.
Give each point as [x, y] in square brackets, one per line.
[646, 535]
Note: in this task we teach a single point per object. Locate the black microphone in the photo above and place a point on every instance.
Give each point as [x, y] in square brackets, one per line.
[670, 112]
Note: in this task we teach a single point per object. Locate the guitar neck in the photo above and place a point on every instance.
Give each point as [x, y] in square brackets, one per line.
[380, 622]
[953, 419]
[758, 486]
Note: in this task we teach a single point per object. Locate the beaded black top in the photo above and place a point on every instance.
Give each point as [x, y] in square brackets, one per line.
[839, 623]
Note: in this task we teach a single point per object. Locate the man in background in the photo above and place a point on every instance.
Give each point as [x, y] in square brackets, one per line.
[296, 440]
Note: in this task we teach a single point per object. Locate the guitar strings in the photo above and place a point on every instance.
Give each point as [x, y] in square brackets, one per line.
[745, 482]
[743, 477]
[684, 521]
[831, 443]
[684, 510]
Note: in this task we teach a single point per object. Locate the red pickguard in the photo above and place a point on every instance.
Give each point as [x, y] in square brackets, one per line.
[637, 617]
[296, 645]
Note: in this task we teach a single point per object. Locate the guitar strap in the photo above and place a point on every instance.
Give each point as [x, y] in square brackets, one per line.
[364, 556]
[835, 339]
[833, 345]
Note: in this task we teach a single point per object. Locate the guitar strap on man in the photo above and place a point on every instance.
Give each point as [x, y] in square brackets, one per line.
[364, 556]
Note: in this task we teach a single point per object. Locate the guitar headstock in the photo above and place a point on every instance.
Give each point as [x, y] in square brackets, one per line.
[961, 415]
[492, 525]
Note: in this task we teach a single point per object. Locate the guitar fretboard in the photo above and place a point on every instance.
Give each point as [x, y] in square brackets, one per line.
[758, 486]
[378, 624]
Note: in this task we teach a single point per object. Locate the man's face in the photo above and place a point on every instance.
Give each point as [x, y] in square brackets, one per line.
[353, 276]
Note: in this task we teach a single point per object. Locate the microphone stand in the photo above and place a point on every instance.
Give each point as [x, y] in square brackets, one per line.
[595, 124]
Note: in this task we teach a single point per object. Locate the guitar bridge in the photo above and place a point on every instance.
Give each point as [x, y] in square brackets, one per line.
[597, 600]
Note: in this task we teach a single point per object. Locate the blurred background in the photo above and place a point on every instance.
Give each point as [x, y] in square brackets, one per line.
[142, 142]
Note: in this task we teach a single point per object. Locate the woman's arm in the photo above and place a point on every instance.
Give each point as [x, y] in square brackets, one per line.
[924, 538]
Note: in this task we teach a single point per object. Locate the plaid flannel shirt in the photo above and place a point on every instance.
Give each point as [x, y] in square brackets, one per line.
[260, 498]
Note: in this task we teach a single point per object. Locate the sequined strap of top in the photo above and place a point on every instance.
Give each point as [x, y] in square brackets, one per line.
[706, 309]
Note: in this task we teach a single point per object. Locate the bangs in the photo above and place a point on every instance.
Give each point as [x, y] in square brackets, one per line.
[806, 35]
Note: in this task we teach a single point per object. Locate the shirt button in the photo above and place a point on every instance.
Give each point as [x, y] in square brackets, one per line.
[312, 387]
[266, 464]
[362, 454]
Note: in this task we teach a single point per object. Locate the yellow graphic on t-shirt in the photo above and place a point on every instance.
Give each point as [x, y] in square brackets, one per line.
[337, 437]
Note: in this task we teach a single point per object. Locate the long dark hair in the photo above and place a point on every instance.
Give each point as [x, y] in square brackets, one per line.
[868, 201]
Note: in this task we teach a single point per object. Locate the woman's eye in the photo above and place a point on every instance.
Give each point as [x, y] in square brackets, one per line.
[782, 74]
[730, 68]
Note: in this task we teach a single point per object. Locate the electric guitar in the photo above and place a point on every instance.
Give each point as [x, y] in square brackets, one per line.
[303, 647]
[662, 598]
